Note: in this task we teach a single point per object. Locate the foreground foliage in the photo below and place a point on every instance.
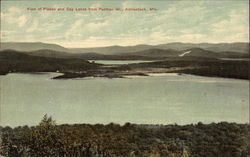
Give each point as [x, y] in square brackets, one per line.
[130, 140]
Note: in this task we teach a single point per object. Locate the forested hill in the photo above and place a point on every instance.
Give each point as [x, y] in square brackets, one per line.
[13, 61]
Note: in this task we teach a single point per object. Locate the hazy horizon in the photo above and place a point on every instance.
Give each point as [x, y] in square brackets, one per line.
[123, 45]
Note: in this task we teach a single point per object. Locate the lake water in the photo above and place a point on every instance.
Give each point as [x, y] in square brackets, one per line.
[157, 99]
[119, 61]
[235, 59]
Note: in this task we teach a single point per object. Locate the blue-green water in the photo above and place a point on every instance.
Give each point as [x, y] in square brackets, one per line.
[180, 99]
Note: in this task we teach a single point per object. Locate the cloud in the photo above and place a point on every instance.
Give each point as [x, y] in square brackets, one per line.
[33, 27]
[48, 27]
[156, 37]
[126, 4]
[5, 33]
[132, 4]
[95, 5]
[54, 38]
[92, 27]
[74, 30]
[80, 15]
[235, 28]
[14, 10]
[14, 16]
[76, 25]
[193, 37]
[22, 20]
[180, 21]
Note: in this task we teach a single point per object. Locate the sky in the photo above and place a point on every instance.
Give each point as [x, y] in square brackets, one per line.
[192, 21]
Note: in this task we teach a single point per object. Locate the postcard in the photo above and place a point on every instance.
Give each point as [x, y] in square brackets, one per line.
[133, 78]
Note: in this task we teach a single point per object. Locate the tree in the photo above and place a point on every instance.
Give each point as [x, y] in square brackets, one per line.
[47, 122]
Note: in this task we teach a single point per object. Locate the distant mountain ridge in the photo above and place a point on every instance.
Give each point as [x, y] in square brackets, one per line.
[149, 54]
[216, 47]
[31, 46]
[240, 47]
[220, 47]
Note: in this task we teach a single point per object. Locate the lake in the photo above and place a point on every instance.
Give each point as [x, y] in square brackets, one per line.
[119, 62]
[156, 99]
[235, 59]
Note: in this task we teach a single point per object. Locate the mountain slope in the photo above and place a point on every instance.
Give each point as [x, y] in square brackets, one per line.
[149, 54]
[221, 47]
[224, 48]
[217, 47]
[13, 61]
[31, 46]
[193, 52]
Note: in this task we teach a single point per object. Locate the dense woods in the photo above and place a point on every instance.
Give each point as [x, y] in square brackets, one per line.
[13, 61]
[84, 140]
